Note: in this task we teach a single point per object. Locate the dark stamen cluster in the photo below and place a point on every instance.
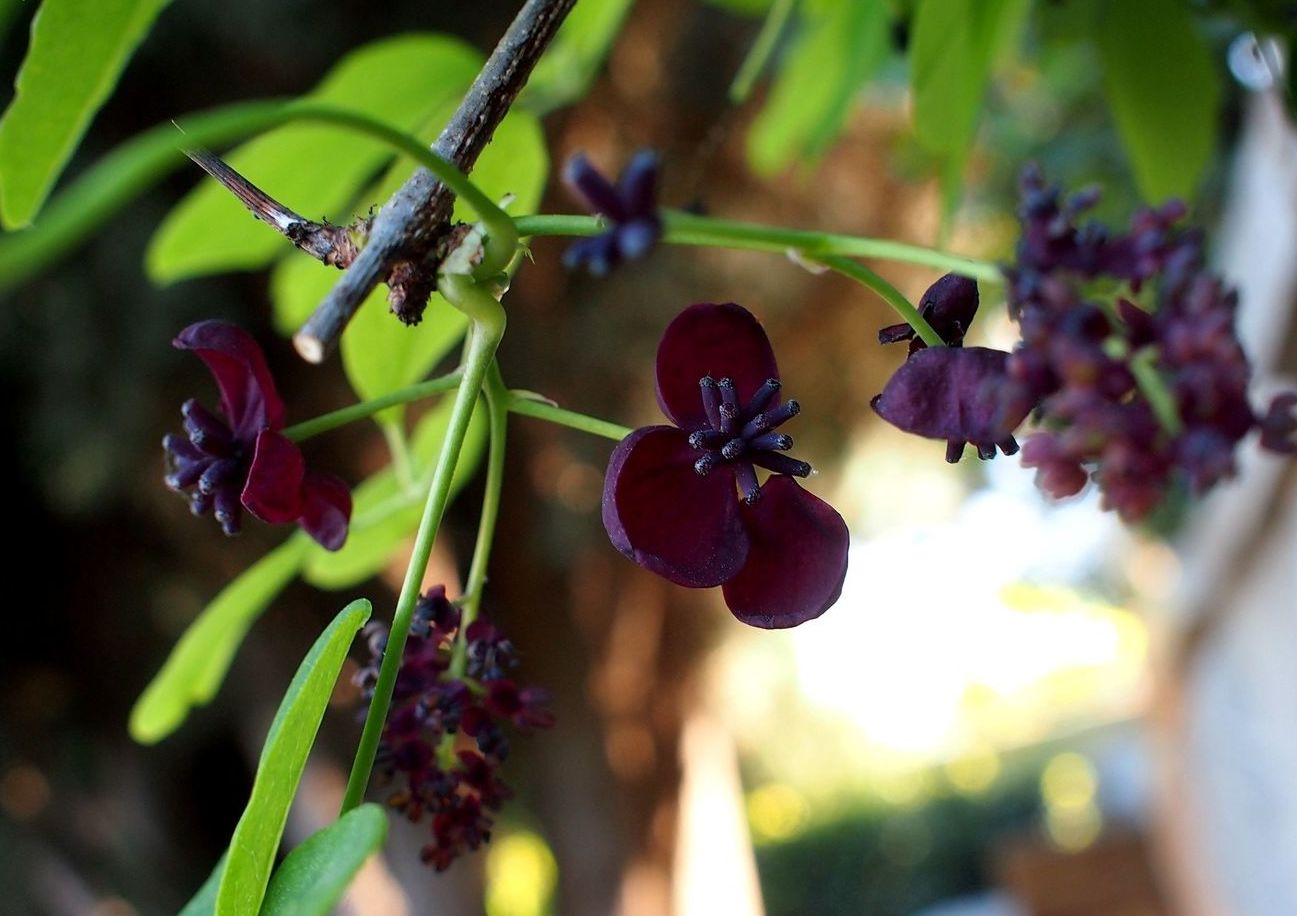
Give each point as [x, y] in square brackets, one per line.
[1082, 356]
[744, 437]
[212, 461]
[444, 735]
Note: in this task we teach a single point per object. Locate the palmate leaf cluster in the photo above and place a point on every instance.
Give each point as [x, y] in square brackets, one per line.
[1163, 76]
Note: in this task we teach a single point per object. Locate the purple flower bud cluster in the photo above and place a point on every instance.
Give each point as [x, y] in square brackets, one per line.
[444, 735]
[1134, 387]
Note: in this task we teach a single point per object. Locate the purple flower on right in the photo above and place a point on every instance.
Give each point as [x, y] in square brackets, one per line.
[1134, 389]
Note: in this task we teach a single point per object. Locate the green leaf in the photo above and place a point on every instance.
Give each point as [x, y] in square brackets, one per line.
[283, 757]
[564, 73]
[379, 353]
[311, 880]
[78, 49]
[316, 170]
[383, 515]
[1164, 89]
[203, 903]
[838, 47]
[744, 7]
[954, 45]
[197, 665]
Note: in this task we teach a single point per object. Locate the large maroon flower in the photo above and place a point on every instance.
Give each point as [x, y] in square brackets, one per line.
[239, 460]
[684, 502]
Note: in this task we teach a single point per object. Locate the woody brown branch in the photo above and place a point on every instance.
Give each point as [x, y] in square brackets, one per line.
[405, 240]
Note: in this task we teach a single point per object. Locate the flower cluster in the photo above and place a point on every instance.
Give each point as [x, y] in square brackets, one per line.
[684, 500]
[630, 207]
[239, 460]
[445, 735]
[1128, 357]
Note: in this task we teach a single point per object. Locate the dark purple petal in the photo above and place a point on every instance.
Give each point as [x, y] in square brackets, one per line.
[1279, 425]
[248, 396]
[797, 561]
[637, 186]
[668, 518]
[273, 492]
[601, 197]
[326, 509]
[950, 305]
[717, 340]
[948, 393]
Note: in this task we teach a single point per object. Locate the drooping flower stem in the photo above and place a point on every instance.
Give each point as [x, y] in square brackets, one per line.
[488, 323]
[890, 294]
[497, 403]
[525, 403]
[690, 229]
[1143, 365]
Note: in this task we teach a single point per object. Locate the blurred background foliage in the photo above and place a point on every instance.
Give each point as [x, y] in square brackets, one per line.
[970, 702]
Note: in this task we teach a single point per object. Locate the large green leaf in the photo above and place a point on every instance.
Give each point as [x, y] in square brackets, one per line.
[1164, 89]
[313, 877]
[565, 71]
[838, 47]
[379, 354]
[78, 49]
[316, 170]
[384, 515]
[203, 903]
[283, 757]
[954, 45]
[197, 665]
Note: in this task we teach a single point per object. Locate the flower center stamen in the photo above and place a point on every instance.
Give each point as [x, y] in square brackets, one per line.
[742, 436]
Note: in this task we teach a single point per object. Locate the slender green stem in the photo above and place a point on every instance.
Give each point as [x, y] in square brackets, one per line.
[776, 20]
[1153, 387]
[890, 294]
[497, 403]
[526, 404]
[341, 417]
[399, 448]
[483, 339]
[689, 229]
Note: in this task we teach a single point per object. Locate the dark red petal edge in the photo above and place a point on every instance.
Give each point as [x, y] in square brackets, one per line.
[710, 339]
[947, 393]
[661, 514]
[273, 492]
[797, 562]
[248, 396]
[326, 509]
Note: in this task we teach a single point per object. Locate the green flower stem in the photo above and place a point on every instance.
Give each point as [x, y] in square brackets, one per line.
[399, 448]
[759, 55]
[488, 322]
[497, 405]
[1153, 386]
[890, 294]
[689, 229]
[341, 417]
[525, 403]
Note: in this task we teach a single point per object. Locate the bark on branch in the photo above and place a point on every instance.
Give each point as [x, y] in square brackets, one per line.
[405, 239]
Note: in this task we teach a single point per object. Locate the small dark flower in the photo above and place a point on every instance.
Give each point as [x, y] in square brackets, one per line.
[949, 306]
[238, 460]
[435, 719]
[630, 207]
[684, 501]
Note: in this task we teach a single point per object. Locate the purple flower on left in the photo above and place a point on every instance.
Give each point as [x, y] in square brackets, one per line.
[238, 459]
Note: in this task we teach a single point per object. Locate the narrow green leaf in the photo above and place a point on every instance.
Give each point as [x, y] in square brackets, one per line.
[379, 354]
[283, 757]
[78, 49]
[314, 169]
[315, 874]
[1164, 89]
[203, 903]
[838, 47]
[954, 45]
[384, 516]
[197, 665]
[565, 71]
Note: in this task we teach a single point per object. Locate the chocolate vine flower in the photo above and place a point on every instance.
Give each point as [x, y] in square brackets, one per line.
[684, 501]
[630, 207]
[949, 306]
[238, 460]
[444, 736]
